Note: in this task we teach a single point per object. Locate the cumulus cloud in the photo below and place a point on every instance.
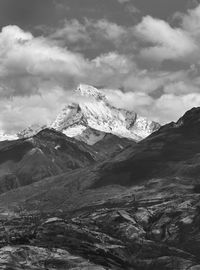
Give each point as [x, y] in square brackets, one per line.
[151, 39]
[167, 108]
[190, 21]
[20, 112]
[163, 41]
[92, 33]
[26, 62]
[72, 31]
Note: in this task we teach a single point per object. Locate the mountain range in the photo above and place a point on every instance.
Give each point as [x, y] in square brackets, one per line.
[92, 117]
[101, 188]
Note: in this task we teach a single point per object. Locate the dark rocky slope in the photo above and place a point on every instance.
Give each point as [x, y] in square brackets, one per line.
[139, 210]
[173, 150]
[48, 153]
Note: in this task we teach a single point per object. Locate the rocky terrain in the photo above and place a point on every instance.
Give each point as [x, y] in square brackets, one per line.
[150, 226]
[137, 208]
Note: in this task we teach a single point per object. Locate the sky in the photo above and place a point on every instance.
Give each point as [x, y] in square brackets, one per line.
[145, 54]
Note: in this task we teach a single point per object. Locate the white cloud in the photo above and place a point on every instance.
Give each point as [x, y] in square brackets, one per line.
[191, 21]
[167, 108]
[108, 30]
[90, 32]
[73, 31]
[163, 41]
[22, 111]
[171, 107]
[26, 61]
[181, 87]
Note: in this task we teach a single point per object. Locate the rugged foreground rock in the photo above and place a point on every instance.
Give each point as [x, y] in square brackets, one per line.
[151, 226]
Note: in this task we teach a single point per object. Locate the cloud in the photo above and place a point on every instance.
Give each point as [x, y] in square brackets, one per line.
[26, 62]
[152, 40]
[123, 1]
[92, 33]
[171, 107]
[163, 110]
[190, 22]
[72, 31]
[20, 112]
[164, 42]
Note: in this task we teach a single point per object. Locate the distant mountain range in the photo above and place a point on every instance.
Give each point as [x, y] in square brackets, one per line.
[92, 117]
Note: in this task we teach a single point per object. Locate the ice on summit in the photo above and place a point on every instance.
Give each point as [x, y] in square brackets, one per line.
[93, 117]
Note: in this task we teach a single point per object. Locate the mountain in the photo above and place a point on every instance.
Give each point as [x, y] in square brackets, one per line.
[92, 117]
[48, 153]
[168, 154]
[171, 151]
[30, 131]
[136, 210]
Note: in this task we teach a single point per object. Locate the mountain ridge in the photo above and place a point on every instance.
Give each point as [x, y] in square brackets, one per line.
[94, 112]
[92, 117]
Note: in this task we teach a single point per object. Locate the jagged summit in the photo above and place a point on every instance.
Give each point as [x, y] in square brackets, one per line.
[90, 91]
[92, 118]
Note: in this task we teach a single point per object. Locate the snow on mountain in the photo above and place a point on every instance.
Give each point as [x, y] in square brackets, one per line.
[30, 131]
[93, 117]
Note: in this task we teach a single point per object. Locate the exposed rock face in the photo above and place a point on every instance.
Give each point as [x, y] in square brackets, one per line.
[93, 117]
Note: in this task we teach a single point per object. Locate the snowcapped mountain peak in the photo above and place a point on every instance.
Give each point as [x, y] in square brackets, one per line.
[90, 91]
[90, 119]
